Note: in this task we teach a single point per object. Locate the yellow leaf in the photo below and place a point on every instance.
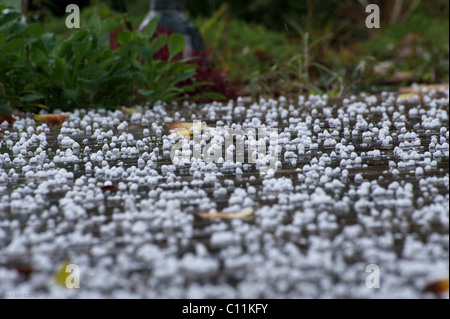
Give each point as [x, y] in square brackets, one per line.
[61, 274]
[52, 118]
[242, 214]
[184, 128]
[407, 96]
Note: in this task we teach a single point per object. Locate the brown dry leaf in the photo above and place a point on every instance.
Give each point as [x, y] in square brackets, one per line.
[246, 213]
[24, 270]
[438, 287]
[109, 188]
[52, 118]
[136, 127]
[126, 110]
[419, 88]
[7, 118]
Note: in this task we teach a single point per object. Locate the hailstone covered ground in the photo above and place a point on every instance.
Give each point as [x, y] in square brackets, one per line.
[358, 181]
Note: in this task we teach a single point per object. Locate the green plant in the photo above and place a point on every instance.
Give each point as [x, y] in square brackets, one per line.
[41, 68]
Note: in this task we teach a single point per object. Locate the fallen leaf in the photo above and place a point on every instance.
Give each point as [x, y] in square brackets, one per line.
[61, 274]
[52, 118]
[419, 88]
[7, 118]
[408, 96]
[183, 132]
[183, 128]
[108, 188]
[24, 270]
[438, 287]
[126, 110]
[136, 127]
[242, 214]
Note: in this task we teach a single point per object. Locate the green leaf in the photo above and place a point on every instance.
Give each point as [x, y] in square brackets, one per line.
[5, 18]
[31, 97]
[176, 45]
[178, 67]
[145, 92]
[151, 28]
[145, 50]
[14, 45]
[183, 76]
[123, 37]
[49, 41]
[109, 25]
[158, 43]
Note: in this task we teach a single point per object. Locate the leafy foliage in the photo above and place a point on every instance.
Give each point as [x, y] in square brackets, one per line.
[81, 70]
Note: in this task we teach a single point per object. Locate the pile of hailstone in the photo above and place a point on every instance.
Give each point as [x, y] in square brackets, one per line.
[357, 182]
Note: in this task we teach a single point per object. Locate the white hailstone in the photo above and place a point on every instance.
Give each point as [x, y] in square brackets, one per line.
[197, 175]
[66, 142]
[139, 228]
[419, 171]
[316, 128]
[199, 266]
[122, 126]
[437, 154]
[223, 239]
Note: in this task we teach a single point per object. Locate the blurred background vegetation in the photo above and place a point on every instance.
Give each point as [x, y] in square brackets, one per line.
[290, 47]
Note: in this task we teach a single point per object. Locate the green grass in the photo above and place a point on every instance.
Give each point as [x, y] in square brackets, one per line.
[244, 48]
[430, 64]
[265, 61]
[435, 30]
